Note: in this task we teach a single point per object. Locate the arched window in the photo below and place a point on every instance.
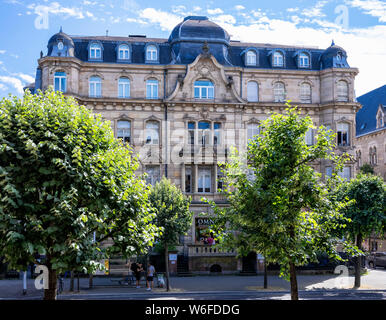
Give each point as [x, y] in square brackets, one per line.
[305, 92]
[95, 51]
[278, 59]
[252, 91]
[373, 155]
[203, 89]
[359, 158]
[279, 92]
[152, 132]
[95, 87]
[342, 87]
[151, 53]
[60, 81]
[304, 60]
[124, 52]
[152, 89]
[251, 58]
[124, 130]
[124, 88]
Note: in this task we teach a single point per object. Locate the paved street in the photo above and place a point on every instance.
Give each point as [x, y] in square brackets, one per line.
[217, 287]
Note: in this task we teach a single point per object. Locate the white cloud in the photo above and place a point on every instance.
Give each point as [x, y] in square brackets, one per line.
[12, 81]
[293, 9]
[55, 8]
[3, 87]
[2, 51]
[166, 20]
[373, 8]
[215, 11]
[224, 19]
[239, 7]
[197, 8]
[25, 77]
[315, 11]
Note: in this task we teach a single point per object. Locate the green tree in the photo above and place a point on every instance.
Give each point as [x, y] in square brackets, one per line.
[367, 211]
[66, 185]
[172, 215]
[281, 208]
[367, 168]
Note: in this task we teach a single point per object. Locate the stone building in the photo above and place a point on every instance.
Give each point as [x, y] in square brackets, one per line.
[370, 142]
[182, 102]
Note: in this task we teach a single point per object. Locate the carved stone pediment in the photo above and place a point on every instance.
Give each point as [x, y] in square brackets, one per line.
[205, 67]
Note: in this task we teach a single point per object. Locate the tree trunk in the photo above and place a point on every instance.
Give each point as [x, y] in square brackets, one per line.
[72, 281]
[167, 267]
[90, 281]
[294, 282]
[265, 275]
[50, 293]
[358, 263]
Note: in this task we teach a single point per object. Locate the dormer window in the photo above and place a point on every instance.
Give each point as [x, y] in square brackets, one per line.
[60, 45]
[278, 59]
[95, 51]
[124, 52]
[251, 58]
[304, 60]
[151, 53]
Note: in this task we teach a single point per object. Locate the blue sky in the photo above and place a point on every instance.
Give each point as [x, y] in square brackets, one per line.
[359, 26]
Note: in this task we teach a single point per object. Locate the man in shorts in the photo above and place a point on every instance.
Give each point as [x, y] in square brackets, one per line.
[150, 276]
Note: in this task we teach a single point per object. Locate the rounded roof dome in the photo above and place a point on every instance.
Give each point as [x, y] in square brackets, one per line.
[63, 36]
[198, 29]
[333, 50]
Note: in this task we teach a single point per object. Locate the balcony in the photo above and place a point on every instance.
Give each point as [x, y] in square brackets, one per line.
[204, 250]
[199, 153]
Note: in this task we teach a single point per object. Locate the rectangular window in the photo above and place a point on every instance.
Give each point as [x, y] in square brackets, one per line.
[153, 174]
[204, 128]
[60, 81]
[152, 89]
[345, 173]
[124, 130]
[217, 133]
[309, 137]
[252, 130]
[220, 178]
[204, 180]
[191, 130]
[188, 180]
[343, 134]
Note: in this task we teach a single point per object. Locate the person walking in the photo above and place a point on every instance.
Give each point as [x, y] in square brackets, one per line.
[150, 276]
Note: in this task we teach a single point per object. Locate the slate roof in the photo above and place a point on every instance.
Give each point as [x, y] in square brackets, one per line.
[366, 121]
[186, 41]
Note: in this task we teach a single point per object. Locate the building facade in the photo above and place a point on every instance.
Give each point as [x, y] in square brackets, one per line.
[370, 143]
[182, 102]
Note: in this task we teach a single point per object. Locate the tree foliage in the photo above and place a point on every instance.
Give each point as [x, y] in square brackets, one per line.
[64, 177]
[368, 210]
[172, 214]
[278, 203]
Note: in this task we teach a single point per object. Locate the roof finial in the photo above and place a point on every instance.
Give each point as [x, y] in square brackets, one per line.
[107, 33]
[61, 30]
[332, 43]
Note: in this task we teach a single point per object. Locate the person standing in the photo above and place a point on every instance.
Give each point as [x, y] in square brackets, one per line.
[150, 275]
[137, 269]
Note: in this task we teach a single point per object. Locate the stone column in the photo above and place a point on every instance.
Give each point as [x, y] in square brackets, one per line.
[195, 179]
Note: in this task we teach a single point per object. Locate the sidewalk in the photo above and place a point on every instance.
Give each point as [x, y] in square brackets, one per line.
[374, 280]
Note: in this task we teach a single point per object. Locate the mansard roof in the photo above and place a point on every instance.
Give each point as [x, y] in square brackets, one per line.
[366, 117]
[186, 41]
